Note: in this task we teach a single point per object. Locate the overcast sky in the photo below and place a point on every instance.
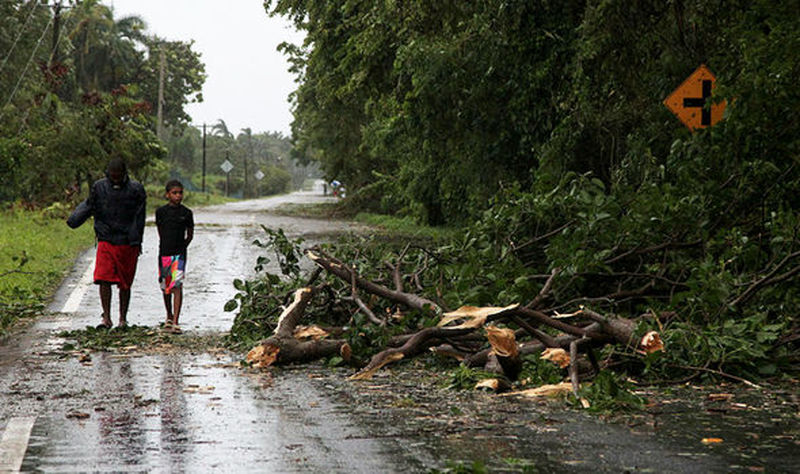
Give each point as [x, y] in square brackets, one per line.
[248, 83]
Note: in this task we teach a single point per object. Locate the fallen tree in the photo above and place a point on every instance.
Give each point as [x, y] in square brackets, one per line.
[572, 266]
[454, 333]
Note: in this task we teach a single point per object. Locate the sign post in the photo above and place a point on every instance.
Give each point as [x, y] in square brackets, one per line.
[227, 166]
[688, 101]
[259, 175]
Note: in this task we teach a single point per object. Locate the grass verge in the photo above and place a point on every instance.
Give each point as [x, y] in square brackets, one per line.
[405, 227]
[398, 227]
[35, 253]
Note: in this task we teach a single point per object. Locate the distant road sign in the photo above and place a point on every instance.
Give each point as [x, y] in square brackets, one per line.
[226, 166]
[259, 175]
[688, 101]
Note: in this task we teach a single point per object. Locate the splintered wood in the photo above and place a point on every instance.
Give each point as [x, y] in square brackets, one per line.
[475, 317]
[262, 356]
[502, 341]
[557, 356]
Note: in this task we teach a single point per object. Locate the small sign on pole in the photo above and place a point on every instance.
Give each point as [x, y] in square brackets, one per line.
[688, 101]
[259, 175]
[226, 166]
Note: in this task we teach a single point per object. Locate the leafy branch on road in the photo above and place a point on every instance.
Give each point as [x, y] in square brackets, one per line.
[605, 302]
[135, 337]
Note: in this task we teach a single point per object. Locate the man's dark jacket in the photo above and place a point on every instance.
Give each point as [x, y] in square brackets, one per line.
[119, 211]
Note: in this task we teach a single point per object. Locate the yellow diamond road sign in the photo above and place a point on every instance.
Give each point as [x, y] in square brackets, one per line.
[688, 101]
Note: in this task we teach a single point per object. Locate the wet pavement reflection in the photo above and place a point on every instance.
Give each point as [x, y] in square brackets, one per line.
[183, 413]
[175, 412]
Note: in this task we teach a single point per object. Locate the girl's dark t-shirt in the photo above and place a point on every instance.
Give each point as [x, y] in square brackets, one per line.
[172, 222]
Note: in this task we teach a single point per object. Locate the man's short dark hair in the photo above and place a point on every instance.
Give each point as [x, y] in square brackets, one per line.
[173, 183]
[117, 164]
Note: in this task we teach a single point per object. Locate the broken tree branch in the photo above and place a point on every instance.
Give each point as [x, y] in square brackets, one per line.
[418, 343]
[361, 305]
[769, 278]
[336, 268]
[545, 291]
[654, 248]
[573, 366]
[282, 347]
[542, 318]
[546, 339]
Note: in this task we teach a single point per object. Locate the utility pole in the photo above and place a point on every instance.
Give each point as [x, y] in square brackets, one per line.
[56, 32]
[204, 158]
[250, 151]
[55, 69]
[160, 115]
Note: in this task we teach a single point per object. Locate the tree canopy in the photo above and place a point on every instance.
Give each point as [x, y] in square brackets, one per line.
[78, 86]
[452, 101]
[541, 125]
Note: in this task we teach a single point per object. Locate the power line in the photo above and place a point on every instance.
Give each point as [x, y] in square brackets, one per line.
[19, 35]
[25, 71]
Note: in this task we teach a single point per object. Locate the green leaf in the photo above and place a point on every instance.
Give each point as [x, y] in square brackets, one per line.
[231, 305]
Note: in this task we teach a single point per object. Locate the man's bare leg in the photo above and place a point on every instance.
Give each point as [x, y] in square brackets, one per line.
[124, 301]
[105, 302]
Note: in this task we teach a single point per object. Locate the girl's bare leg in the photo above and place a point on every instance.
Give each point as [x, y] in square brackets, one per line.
[168, 306]
[178, 303]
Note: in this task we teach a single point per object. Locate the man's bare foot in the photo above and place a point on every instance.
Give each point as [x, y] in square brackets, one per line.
[122, 323]
[175, 329]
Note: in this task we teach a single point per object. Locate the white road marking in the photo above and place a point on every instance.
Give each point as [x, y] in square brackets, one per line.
[74, 301]
[15, 443]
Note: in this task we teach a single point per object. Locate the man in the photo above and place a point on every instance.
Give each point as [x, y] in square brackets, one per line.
[118, 206]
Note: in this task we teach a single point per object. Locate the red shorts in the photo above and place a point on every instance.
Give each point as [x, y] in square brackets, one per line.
[116, 264]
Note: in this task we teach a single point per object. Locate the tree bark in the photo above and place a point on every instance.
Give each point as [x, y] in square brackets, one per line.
[283, 348]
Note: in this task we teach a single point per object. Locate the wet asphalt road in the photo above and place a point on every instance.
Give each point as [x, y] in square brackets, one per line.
[198, 412]
[173, 412]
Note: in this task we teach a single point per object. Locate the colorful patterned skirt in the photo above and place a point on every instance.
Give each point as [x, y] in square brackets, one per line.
[171, 272]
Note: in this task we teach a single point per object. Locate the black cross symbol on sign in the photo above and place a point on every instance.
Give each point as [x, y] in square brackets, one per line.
[705, 118]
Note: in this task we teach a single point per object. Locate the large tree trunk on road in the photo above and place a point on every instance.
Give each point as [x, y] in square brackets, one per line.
[284, 348]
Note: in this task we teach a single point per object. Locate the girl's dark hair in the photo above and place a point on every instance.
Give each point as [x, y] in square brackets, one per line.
[173, 183]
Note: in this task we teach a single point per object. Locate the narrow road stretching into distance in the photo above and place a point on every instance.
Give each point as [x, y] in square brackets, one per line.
[172, 412]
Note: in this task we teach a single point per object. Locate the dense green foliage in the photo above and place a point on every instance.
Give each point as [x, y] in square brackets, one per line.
[539, 126]
[444, 103]
[78, 89]
[248, 152]
[78, 86]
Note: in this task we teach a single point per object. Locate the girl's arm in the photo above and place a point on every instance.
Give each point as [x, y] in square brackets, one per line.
[189, 236]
